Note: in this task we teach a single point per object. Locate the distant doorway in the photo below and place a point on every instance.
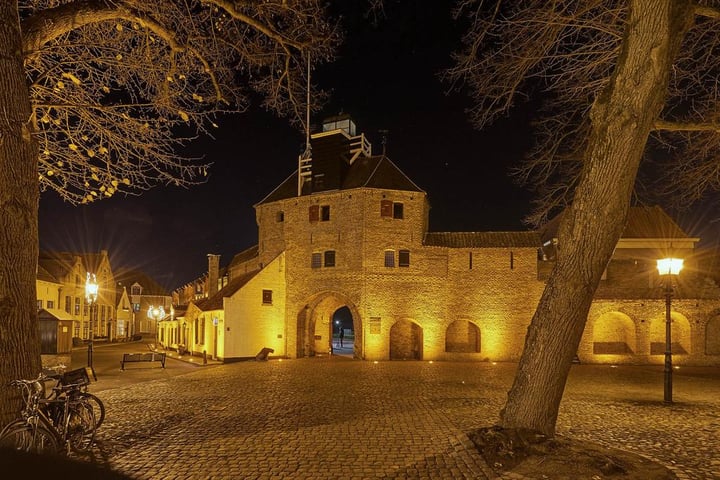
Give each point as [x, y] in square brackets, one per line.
[343, 332]
[320, 324]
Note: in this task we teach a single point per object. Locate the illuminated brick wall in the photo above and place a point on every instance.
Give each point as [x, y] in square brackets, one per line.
[439, 287]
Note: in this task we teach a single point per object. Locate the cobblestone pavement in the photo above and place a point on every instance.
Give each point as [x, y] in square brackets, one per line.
[331, 418]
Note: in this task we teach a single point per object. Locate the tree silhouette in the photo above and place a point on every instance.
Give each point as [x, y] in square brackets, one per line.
[617, 78]
[97, 96]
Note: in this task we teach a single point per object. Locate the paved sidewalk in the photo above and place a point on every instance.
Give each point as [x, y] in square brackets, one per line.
[336, 418]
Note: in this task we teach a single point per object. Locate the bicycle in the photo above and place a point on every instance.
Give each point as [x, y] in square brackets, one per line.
[80, 378]
[63, 423]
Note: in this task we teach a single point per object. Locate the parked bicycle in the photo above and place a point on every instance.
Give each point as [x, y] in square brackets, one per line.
[81, 379]
[59, 423]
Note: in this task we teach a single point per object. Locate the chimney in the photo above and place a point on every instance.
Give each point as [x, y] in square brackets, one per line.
[213, 273]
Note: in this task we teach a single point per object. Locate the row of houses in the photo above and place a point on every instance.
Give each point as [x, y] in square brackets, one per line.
[348, 230]
[124, 298]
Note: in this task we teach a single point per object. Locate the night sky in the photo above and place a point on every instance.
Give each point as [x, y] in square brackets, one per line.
[386, 78]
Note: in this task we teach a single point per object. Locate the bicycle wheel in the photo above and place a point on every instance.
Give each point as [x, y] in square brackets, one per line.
[80, 427]
[19, 435]
[97, 405]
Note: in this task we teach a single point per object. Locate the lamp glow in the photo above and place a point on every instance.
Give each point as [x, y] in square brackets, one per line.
[669, 266]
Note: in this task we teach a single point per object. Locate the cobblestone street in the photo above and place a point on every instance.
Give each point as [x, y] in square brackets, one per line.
[330, 418]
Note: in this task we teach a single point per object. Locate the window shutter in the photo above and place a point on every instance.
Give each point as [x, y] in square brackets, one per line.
[314, 213]
[386, 208]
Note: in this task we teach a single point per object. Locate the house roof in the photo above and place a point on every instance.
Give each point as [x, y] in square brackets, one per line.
[244, 256]
[642, 222]
[482, 239]
[44, 275]
[365, 172]
[215, 301]
[128, 277]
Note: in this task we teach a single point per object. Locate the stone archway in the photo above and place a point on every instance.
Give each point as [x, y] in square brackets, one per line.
[614, 334]
[679, 333]
[712, 336]
[406, 341]
[462, 336]
[315, 327]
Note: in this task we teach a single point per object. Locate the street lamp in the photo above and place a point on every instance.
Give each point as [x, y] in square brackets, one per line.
[668, 268]
[156, 313]
[91, 294]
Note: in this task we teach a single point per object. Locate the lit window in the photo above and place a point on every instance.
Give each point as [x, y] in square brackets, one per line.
[403, 258]
[330, 258]
[389, 258]
[316, 260]
[267, 297]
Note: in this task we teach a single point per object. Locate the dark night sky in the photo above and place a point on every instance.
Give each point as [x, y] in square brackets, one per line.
[385, 78]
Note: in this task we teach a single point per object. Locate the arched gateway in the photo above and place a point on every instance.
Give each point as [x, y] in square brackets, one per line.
[315, 325]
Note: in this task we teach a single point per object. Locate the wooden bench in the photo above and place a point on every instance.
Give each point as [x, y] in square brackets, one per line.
[142, 357]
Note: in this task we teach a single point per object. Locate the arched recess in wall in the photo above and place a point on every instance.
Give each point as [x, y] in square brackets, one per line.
[679, 335]
[406, 341]
[315, 329]
[712, 336]
[462, 336]
[614, 334]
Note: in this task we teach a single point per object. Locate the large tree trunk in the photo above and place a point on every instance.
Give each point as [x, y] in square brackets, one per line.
[19, 196]
[622, 119]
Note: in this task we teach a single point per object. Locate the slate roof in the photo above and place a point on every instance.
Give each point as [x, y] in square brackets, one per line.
[642, 222]
[44, 275]
[128, 277]
[215, 301]
[244, 256]
[369, 172]
[482, 239]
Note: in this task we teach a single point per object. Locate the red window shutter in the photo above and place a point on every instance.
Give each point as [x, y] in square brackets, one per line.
[314, 213]
[386, 208]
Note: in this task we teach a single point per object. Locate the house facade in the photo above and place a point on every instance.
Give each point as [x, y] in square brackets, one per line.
[123, 300]
[348, 229]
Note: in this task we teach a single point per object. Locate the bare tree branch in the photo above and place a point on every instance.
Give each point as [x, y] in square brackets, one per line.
[119, 86]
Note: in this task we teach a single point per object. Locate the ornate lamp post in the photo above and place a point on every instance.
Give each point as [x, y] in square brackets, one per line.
[668, 268]
[91, 294]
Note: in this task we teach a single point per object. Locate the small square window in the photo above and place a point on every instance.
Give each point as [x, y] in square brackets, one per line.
[330, 258]
[267, 297]
[39, 304]
[280, 217]
[389, 258]
[403, 258]
[316, 260]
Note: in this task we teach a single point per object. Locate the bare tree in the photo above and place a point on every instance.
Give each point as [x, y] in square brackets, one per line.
[96, 96]
[618, 78]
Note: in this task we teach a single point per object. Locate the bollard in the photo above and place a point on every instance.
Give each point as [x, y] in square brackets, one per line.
[204, 357]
